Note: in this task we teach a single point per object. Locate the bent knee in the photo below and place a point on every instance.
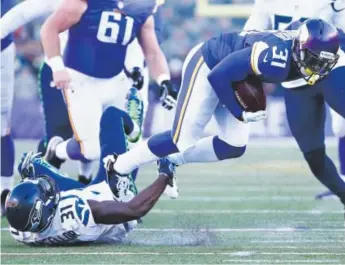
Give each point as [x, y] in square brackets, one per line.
[225, 150]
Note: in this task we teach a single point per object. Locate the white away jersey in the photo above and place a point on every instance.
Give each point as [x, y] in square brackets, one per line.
[73, 221]
[277, 14]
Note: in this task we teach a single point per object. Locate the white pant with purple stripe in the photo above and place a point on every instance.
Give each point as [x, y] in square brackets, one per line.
[198, 103]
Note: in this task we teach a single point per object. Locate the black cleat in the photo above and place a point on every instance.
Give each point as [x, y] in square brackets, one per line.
[50, 155]
[84, 180]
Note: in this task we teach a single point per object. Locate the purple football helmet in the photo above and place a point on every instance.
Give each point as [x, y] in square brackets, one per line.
[315, 49]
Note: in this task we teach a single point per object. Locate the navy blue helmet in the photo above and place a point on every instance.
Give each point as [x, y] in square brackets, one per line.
[315, 49]
[32, 203]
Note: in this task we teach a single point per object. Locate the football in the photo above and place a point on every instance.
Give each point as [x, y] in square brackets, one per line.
[250, 94]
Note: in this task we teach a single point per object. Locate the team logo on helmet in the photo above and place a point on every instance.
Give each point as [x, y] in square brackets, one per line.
[36, 215]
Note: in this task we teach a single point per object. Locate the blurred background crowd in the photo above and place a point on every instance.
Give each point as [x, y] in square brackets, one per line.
[183, 28]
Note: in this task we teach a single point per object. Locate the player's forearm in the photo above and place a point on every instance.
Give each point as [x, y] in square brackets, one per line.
[50, 39]
[111, 212]
[158, 66]
[22, 14]
[147, 198]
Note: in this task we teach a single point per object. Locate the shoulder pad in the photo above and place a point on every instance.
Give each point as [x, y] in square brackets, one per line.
[271, 62]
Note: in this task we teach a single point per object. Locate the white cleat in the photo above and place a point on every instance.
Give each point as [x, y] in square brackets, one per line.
[171, 189]
[168, 168]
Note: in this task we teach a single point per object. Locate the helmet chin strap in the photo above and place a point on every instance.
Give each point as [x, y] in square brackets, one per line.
[312, 77]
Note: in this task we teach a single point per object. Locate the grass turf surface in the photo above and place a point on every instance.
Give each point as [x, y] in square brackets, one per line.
[259, 209]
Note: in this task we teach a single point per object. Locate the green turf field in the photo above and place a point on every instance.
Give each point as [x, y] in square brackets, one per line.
[255, 210]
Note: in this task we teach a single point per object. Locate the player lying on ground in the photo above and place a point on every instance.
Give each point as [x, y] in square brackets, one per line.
[300, 98]
[307, 55]
[48, 208]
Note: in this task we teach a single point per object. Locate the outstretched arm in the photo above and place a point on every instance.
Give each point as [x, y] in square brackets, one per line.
[112, 212]
[234, 67]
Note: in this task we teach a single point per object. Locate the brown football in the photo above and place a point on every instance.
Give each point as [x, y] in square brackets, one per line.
[250, 94]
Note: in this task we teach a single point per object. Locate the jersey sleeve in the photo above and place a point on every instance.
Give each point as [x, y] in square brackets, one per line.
[24, 13]
[271, 63]
[140, 10]
[259, 18]
[234, 67]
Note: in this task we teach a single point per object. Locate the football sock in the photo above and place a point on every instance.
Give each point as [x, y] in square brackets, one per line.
[134, 158]
[7, 162]
[162, 144]
[157, 146]
[341, 153]
[208, 149]
[85, 169]
[70, 149]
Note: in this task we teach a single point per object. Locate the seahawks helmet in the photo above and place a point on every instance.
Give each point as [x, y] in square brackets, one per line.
[32, 203]
[315, 49]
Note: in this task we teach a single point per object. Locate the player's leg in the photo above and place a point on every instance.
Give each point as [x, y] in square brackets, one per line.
[112, 137]
[84, 111]
[306, 116]
[334, 94]
[7, 145]
[230, 142]
[196, 104]
[54, 110]
[338, 127]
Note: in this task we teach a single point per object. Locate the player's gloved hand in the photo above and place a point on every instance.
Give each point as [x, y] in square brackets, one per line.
[138, 79]
[62, 79]
[26, 168]
[168, 95]
[253, 116]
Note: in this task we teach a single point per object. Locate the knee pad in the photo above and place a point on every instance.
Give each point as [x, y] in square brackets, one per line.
[90, 149]
[316, 160]
[224, 150]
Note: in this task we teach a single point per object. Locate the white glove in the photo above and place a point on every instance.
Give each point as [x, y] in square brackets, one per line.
[253, 116]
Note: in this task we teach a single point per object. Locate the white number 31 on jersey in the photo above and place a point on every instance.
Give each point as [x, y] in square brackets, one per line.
[110, 27]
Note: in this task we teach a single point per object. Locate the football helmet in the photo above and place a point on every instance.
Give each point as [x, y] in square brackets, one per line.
[31, 205]
[315, 49]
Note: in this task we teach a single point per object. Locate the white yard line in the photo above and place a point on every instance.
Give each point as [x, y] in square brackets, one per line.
[229, 230]
[249, 211]
[241, 198]
[244, 188]
[303, 241]
[237, 253]
[279, 261]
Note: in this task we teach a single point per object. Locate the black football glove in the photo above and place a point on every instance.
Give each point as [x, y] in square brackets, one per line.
[136, 75]
[168, 95]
